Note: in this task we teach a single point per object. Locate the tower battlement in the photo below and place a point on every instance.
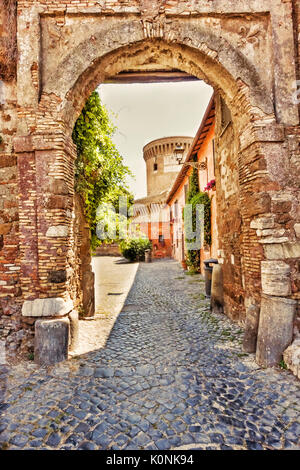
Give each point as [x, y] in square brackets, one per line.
[161, 164]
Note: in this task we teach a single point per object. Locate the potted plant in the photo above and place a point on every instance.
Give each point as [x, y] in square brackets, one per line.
[211, 185]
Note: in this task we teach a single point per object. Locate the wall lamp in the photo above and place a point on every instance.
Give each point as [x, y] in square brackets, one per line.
[178, 155]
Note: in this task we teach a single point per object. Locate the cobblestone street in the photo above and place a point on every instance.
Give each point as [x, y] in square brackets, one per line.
[171, 376]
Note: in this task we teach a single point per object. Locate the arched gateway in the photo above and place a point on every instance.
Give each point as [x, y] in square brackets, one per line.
[247, 50]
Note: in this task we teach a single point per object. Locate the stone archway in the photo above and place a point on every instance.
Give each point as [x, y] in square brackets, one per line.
[73, 49]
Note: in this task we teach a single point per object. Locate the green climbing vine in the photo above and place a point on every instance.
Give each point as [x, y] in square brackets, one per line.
[195, 198]
[100, 173]
[198, 199]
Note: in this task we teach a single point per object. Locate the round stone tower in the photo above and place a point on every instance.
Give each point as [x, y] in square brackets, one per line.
[161, 163]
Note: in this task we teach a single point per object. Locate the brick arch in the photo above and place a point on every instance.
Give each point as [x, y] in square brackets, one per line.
[194, 50]
[250, 105]
[56, 76]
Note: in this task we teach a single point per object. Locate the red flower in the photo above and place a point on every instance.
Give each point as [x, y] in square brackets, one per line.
[211, 184]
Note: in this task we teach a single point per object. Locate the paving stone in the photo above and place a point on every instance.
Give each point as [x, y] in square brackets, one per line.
[252, 445]
[53, 413]
[121, 440]
[133, 418]
[103, 441]
[36, 443]
[3, 426]
[80, 414]
[102, 406]
[142, 439]
[144, 425]
[187, 439]
[195, 428]
[124, 372]
[74, 439]
[170, 432]
[134, 431]
[145, 370]
[104, 372]
[175, 441]
[86, 446]
[13, 427]
[19, 440]
[102, 427]
[53, 440]
[216, 438]
[82, 427]
[40, 432]
[179, 426]
[163, 444]
[131, 446]
[65, 429]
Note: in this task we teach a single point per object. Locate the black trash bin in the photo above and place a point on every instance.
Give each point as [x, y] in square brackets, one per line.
[208, 274]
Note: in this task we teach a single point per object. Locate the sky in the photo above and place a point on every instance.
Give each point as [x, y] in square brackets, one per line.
[144, 112]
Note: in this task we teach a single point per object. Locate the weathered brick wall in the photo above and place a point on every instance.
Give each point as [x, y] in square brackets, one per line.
[8, 39]
[11, 325]
[296, 20]
[232, 243]
[83, 280]
[296, 141]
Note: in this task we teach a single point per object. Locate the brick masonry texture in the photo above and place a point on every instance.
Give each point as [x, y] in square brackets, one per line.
[247, 50]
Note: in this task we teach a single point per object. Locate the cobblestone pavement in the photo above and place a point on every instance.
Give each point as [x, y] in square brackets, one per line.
[170, 377]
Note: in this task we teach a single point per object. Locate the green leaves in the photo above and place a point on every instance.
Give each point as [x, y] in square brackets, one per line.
[134, 249]
[193, 185]
[100, 174]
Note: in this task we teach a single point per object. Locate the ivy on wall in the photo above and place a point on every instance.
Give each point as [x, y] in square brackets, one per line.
[193, 185]
[194, 198]
[203, 198]
[100, 173]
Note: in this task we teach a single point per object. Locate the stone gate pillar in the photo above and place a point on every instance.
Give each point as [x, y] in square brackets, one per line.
[278, 308]
[46, 209]
[271, 244]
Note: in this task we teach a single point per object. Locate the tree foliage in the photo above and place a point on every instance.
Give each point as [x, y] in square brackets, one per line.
[100, 173]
